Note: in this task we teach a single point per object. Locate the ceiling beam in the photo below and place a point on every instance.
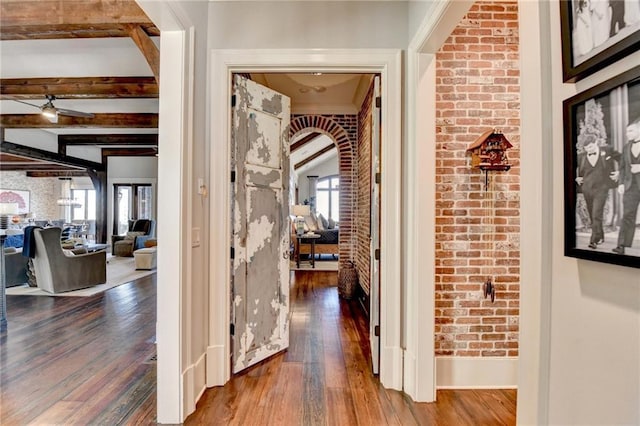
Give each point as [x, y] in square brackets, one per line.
[31, 19]
[48, 167]
[120, 120]
[129, 152]
[314, 156]
[41, 154]
[49, 174]
[305, 140]
[114, 139]
[79, 88]
[148, 48]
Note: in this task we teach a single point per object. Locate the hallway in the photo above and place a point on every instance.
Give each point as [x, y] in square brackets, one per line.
[324, 377]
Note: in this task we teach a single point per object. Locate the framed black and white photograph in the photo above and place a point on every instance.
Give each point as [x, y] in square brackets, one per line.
[602, 171]
[596, 33]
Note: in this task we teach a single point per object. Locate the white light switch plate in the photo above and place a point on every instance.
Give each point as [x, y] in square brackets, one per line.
[195, 237]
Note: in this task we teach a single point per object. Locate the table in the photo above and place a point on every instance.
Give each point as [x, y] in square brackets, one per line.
[311, 239]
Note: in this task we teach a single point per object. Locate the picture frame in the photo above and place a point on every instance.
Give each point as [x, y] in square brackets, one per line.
[21, 197]
[587, 46]
[601, 116]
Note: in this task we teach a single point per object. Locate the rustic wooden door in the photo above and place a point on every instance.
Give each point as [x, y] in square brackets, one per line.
[260, 203]
[374, 273]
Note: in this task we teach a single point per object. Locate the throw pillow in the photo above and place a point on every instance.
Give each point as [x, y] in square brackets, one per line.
[331, 224]
[310, 221]
[322, 220]
[131, 235]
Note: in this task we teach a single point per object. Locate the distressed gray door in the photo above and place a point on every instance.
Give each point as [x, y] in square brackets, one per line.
[374, 273]
[260, 203]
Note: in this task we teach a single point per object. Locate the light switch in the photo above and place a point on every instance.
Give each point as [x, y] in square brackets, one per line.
[195, 237]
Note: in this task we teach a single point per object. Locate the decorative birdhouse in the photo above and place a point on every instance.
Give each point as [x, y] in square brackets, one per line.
[489, 151]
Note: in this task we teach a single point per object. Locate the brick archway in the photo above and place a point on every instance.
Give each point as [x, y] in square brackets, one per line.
[345, 144]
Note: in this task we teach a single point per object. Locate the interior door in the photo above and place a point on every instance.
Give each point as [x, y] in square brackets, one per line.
[374, 273]
[260, 203]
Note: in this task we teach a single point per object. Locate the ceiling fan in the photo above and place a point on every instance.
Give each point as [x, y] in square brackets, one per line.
[51, 112]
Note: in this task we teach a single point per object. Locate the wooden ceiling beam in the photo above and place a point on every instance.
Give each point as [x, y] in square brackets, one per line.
[79, 88]
[148, 48]
[49, 167]
[305, 140]
[129, 152]
[314, 156]
[48, 156]
[114, 139]
[30, 19]
[69, 31]
[120, 120]
[50, 174]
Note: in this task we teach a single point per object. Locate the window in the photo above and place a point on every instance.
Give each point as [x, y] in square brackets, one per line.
[328, 197]
[87, 208]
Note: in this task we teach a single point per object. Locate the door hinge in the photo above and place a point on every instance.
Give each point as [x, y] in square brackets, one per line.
[376, 254]
[232, 329]
[378, 177]
[233, 101]
[376, 330]
[233, 253]
[233, 176]
[379, 102]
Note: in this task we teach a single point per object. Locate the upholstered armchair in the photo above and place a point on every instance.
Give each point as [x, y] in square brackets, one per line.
[57, 272]
[139, 232]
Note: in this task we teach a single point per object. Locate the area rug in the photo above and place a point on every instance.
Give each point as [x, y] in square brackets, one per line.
[120, 270]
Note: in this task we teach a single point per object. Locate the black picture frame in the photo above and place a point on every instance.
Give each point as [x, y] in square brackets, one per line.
[605, 111]
[578, 61]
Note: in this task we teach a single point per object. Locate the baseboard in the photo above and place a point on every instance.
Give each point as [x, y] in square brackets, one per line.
[363, 300]
[217, 361]
[391, 367]
[416, 379]
[193, 384]
[476, 373]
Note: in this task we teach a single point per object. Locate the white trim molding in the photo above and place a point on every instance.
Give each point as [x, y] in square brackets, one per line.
[476, 372]
[389, 64]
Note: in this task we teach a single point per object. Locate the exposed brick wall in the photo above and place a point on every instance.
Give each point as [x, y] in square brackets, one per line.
[363, 197]
[478, 88]
[343, 129]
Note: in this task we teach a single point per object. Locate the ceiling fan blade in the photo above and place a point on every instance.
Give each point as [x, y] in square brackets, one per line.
[23, 102]
[72, 113]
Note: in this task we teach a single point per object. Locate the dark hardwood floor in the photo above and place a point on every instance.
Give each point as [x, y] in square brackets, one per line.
[88, 360]
[80, 360]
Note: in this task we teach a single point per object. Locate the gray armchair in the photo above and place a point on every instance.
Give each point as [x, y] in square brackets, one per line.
[139, 232]
[56, 272]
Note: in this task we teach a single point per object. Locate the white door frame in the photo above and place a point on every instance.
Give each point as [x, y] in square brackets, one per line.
[388, 63]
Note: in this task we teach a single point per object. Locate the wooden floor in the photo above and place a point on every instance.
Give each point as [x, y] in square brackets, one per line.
[325, 377]
[80, 360]
[89, 360]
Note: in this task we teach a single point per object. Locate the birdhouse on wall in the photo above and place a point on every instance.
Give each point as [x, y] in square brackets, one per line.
[489, 151]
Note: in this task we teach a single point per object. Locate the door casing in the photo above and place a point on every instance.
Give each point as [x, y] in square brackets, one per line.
[387, 63]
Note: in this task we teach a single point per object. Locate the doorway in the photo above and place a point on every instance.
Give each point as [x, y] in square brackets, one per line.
[131, 202]
[387, 63]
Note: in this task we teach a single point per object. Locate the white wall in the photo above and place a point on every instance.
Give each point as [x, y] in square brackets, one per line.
[326, 168]
[281, 24]
[586, 314]
[595, 307]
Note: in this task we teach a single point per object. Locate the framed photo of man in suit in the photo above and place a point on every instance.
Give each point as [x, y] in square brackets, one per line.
[602, 171]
